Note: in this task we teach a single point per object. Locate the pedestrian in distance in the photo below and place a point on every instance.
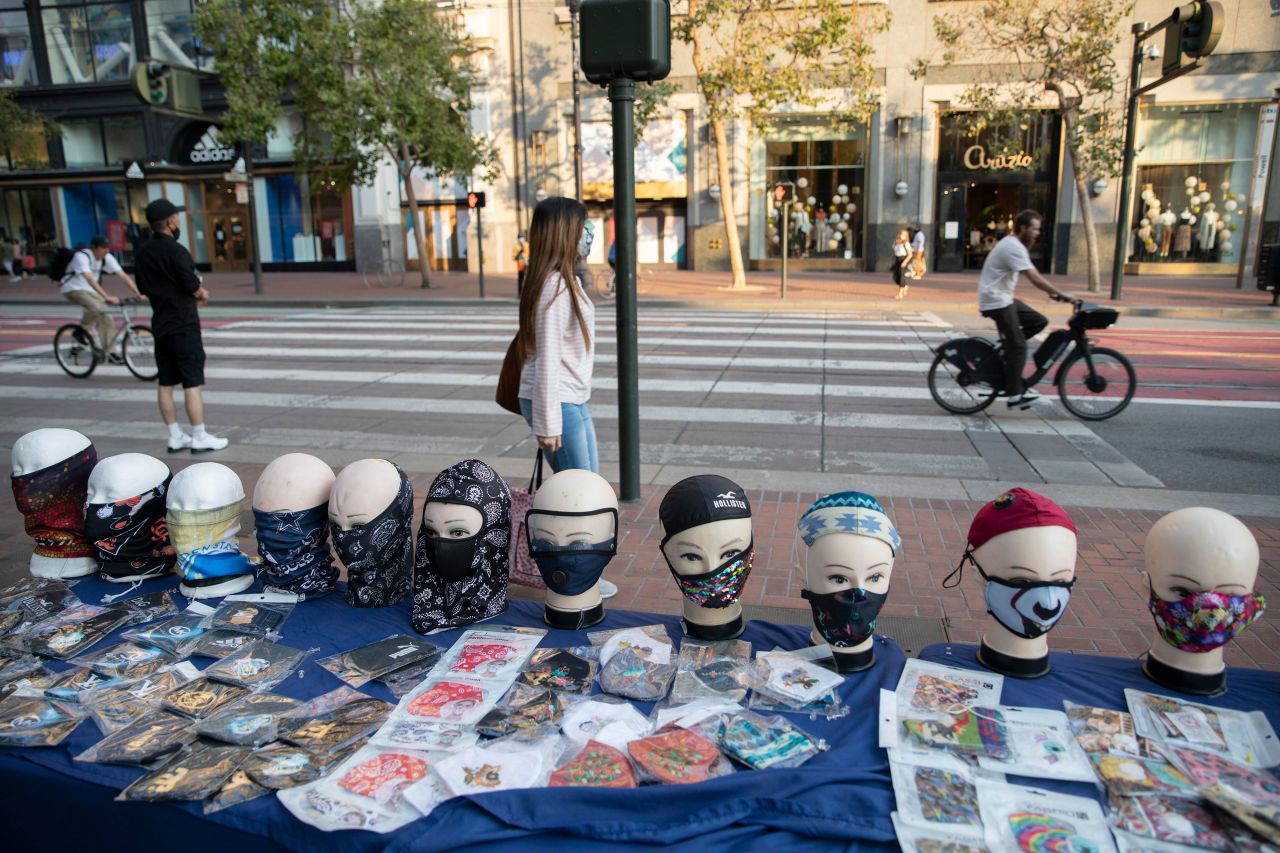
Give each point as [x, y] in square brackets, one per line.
[901, 255]
[17, 260]
[167, 276]
[520, 254]
[81, 284]
[917, 254]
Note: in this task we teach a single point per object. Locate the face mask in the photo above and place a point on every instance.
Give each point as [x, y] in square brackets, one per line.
[1028, 609]
[845, 618]
[451, 558]
[205, 540]
[720, 587]
[130, 535]
[572, 568]
[177, 232]
[51, 501]
[1203, 621]
[379, 555]
[584, 242]
[294, 547]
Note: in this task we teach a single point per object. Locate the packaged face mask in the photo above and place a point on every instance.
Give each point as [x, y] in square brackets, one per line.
[674, 756]
[324, 732]
[126, 660]
[236, 790]
[627, 674]
[219, 644]
[1128, 775]
[193, 774]
[329, 808]
[36, 722]
[145, 740]
[718, 679]
[586, 720]
[974, 731]
[148, 608]
[367, 663]
[200, 698]
[258, 666]
[250, 617]
[423, 736]
[596, 765]
[380, 774]
[934, 688]
[1020, 818]
[74, 630]
[1042, 746]
[75, 685]
[560, 670]
[916, 839]
[113, 708]
[1103, 730]
[1170, 819]
[763, 742]
[40, 600]
[932, 797]
[650, 643]
[451, 700]
[792, 678]
[279, 766]
[252, 721]
[477, 771]
[522, 708]
[176, 636]
[491, 654]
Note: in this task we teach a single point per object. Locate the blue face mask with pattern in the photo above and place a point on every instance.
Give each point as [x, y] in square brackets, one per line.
[294, 547]
[584, 242]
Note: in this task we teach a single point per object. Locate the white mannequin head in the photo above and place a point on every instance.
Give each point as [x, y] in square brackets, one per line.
[574, 490]
[206, 487]
[124, 476]
[362, 491]
[293, 482]
[34, 452]
[1034, 554]
[1194, 550]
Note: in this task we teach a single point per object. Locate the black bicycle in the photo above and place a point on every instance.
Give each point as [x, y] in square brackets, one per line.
[1094, 383]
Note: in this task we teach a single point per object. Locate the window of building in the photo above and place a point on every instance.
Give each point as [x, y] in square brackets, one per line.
[1193, 170]
[17, 60]
[28, 216]
[88, 42]
[826, 165]
[98, 142]
[304, 223]
[171, 34]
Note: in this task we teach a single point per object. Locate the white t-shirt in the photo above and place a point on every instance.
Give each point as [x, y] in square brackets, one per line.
[917, 242]
[82, 263]
[1000, 272]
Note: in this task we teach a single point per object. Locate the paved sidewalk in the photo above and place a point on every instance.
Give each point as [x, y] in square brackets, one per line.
[1107, 615]
[1183, 296]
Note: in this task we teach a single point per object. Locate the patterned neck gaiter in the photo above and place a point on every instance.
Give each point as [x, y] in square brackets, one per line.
[379, 555]
[131, 535]
[205, 540]
[294, 547]
[51, 501]
[458, 582]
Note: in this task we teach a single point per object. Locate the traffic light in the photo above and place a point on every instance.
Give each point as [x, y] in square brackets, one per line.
[1193, 32]
[779, 192]
[151, 82]
[475, 200]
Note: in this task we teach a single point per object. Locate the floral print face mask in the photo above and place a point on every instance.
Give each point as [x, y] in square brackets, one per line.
[1206, 620]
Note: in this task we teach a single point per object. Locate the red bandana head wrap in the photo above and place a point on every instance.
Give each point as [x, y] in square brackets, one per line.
[51, 501]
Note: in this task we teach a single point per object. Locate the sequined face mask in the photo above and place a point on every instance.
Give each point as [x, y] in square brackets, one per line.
[719, 587]
[1206, 620]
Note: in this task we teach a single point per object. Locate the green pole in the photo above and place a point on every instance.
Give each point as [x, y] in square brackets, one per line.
[622, 95]
[1123, 216]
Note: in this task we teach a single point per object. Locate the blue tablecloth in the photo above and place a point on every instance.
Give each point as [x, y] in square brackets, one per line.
[841, 798]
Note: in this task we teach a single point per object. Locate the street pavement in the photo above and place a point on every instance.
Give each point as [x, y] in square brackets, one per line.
[791, 405]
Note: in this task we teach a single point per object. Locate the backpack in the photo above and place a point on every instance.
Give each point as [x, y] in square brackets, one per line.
[62, 257]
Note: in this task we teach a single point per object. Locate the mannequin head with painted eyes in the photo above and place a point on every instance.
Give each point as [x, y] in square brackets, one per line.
[572, 531]
[1201, 568]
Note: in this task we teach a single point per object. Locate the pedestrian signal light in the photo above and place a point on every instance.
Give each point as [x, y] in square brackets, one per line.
[475, 200]
[151, 82]
[1193, 32]
[779, 192]
[626, 39]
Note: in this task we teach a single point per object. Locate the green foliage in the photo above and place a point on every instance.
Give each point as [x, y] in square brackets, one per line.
[651, 98]
[23, 133]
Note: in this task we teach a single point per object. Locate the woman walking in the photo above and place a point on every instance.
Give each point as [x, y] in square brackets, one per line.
[901, 257]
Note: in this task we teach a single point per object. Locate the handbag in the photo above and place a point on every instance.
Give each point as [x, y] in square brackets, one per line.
[29, 261]
[524, 571]
[507, 394]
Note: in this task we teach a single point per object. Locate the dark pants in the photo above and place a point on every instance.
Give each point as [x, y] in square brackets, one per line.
[1016, 323]
[899, 264]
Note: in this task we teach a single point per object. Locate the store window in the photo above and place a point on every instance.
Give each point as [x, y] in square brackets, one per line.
[1193, 168]
[171, 34]
[88, 42]
[305, 221]
[98, 142]
[827, 167]
[28, 215]
[30, 150]
[17, 61]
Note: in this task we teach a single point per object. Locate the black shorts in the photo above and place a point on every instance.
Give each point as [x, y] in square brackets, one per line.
[180, 359]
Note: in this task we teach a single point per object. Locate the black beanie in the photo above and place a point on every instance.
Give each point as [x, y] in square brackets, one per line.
[701, 500]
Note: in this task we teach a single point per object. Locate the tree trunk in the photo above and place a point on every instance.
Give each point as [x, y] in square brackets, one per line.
[1070, 117]
[727, 208]
[419, 230]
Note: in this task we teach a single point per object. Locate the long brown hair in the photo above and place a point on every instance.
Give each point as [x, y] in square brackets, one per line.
[553, 247]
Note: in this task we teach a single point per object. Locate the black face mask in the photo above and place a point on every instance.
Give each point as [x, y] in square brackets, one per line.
[130, 536]
[845, 618]
[379, 555]
[451, 558]
[574, 568]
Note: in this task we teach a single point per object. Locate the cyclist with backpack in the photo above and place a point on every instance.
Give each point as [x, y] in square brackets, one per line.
[79, 274]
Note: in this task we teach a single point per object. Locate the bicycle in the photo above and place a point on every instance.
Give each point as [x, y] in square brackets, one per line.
[1094, 383]
[390, 274]
[607, 283]
[77, 352]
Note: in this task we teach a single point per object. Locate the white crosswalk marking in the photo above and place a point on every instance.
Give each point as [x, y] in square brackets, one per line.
[775, 391]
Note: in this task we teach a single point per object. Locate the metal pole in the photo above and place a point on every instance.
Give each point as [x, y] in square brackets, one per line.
[480, 249]
[786, 230]
[515, 119]
[575, 6]
[1126, 179]
[1263, 156]
[622, 94]
[253, 222]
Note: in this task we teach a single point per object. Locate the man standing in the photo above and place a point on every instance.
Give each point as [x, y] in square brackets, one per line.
[917, 255]
[82, 285]
[167, 275]
[1015, 320]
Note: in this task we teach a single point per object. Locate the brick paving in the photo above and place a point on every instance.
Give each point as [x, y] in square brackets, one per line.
[1107, 615]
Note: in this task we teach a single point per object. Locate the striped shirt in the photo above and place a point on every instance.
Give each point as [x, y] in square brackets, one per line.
[559, 369]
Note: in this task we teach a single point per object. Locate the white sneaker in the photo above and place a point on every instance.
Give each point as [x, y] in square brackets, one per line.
[607, 589]
[1023, 400]
[207, 442]
[183, 443]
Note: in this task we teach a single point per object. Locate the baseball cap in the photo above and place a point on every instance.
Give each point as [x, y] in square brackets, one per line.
[99, 242]
[161, 209]
[1014, 510]
[699, 500]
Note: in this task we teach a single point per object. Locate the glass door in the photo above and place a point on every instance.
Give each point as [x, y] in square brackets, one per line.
[950, 252]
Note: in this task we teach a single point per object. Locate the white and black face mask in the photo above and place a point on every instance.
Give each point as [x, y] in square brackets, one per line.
[379, 555]
[1026, 608]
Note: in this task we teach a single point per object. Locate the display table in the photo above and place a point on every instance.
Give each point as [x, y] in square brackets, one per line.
[839, 799]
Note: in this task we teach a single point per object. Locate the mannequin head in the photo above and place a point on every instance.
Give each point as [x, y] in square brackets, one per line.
[204, 505]
[291, 514]
[125, 517]
[371, 520]
[1201, 567]
[708, 547]
[464, 544]
[572, 531]
[1024, 548]
[849, 545]
[51, 470]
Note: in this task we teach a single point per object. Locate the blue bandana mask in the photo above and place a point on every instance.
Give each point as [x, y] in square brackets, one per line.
[294, 547]
[573, 567]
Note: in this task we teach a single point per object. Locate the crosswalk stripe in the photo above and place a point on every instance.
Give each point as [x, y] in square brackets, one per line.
[737, 321]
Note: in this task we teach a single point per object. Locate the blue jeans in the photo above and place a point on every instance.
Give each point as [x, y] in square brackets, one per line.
[577, 436]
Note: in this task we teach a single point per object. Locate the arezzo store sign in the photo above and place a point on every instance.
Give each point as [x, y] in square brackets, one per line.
[202, 147]
[975, 157]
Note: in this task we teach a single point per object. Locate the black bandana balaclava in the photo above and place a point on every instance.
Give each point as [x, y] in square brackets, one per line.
[379, 555]
[131, 535]
[460, 581]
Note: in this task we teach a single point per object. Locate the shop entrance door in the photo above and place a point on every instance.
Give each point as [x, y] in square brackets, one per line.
[950, 253]
[226, 229]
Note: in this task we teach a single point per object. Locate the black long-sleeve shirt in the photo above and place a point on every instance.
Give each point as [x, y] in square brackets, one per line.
[167, 276]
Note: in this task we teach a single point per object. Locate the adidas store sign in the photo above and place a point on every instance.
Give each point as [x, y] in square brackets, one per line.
[207, 149]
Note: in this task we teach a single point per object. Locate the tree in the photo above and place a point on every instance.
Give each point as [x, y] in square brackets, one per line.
[368, 80]
[752, 57]
[23, 133]
[1060, 49]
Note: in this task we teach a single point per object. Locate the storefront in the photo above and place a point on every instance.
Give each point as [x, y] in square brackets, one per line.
[1193, 167]
[826, 165]
[985, 177]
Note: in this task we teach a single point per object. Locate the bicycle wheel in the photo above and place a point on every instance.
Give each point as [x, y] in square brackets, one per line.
[957, 390]
[607, 284]
[73, 350]
[1100, 393]
[139, 350]
[393, 274]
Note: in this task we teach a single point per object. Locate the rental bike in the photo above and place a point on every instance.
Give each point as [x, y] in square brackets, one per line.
[1094, 383]
[78, 352]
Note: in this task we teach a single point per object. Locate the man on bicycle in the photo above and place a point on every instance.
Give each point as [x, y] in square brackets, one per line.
[82, 285]
[1015, 320]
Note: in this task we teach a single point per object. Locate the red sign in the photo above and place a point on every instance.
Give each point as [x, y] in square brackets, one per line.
[115, 236]
[326, 229]
[779, 192]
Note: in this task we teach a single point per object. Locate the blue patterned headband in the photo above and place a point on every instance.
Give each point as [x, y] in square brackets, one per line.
[848, 512]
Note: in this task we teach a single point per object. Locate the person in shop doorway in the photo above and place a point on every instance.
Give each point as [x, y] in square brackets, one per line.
[167, 276]
[520, 254]
[915, 268]
[82, 285]
[17, 259]
[901, 256]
